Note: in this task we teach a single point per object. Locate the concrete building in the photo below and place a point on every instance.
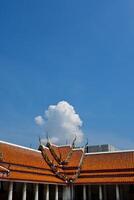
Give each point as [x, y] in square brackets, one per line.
[64, 173]
[100, 148]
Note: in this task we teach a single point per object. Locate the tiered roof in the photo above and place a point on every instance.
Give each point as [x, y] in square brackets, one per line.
[65, 164]
[25, 164]
[110, 167]
[64, 161]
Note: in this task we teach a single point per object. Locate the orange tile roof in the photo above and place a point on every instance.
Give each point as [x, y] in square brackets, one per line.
[75, 158]
[116, 167]
[64, 159]
[26, 164]
[61, 151]
[62, 164]
[108, 161]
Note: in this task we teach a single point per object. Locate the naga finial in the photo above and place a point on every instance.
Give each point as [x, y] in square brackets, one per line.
[73, 143]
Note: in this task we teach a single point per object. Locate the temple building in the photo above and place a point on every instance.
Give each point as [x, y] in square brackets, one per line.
[65, 173]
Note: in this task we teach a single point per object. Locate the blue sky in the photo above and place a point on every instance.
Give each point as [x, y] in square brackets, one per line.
[78, 51]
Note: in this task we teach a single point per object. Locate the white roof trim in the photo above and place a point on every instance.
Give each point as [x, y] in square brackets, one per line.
[76, 149]
[62, 145]
[19, 146]
[109, 152]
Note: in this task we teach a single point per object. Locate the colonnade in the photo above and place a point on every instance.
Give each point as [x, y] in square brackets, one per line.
[36, 192]
[69, 192]
[102, 195]
[86, 193]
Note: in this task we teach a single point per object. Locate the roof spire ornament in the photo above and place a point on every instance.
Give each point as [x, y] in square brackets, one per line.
[40, 143]
[86, 146]
[86, 143]
[48, 140]
[73, 143]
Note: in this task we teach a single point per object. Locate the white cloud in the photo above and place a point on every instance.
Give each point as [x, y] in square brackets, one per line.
[39, 120]
[61, 123]
[54, 140]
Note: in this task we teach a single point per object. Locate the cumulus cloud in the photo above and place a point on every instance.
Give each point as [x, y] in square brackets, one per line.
[61, 123]
[39, 120]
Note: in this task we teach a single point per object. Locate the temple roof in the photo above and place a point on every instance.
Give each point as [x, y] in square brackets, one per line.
[65, 164]
[25, 164]
[110, 167]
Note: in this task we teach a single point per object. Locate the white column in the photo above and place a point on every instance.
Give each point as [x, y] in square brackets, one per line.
[24, 192]
[100, 192]
[66, 193]
[56, 192]
[71, 192]
[10, 191]
[47, 192]
[36, 192]
[117, 192]
[84, 192]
